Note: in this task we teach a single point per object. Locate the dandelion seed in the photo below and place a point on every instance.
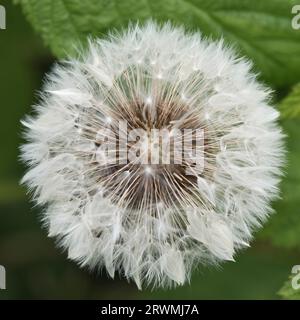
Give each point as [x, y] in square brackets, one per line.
[149, 101]
[117, 215]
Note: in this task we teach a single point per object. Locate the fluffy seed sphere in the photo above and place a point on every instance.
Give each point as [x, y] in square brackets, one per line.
[153, 218]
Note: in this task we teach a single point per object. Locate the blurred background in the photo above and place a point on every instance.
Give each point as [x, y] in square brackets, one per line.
[37, 269]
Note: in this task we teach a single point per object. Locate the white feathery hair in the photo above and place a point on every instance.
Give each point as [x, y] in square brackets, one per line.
[152, 228]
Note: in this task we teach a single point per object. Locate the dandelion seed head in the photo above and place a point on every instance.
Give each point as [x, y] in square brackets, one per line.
[153, 222]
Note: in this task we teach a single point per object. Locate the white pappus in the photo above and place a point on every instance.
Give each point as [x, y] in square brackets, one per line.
[153, 223]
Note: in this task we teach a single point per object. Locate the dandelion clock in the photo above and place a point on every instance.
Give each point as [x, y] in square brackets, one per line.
[152, 152]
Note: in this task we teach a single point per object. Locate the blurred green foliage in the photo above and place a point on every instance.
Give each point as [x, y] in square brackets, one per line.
[288, 292]
[283, 229]
[290, 106]
[260, 29]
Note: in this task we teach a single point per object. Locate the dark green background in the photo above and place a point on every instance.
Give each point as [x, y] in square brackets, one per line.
[35, 268]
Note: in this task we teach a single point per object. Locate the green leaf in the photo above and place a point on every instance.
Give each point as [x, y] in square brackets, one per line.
[288, 292]
[290, 106]
[283, 228]
[260, 30]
